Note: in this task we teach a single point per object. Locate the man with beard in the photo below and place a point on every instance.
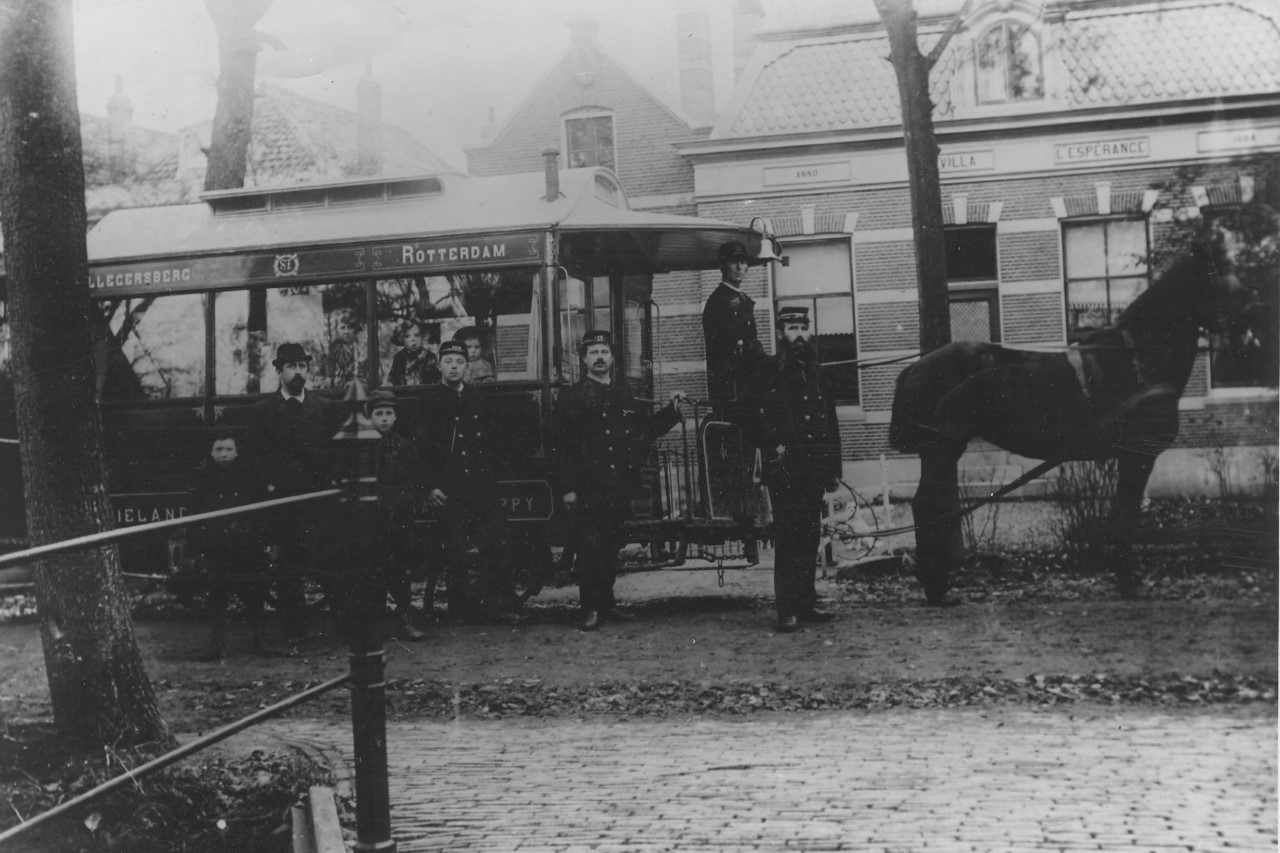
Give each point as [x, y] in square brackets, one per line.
[456, 447]
[602, 435]
[290, 436]
[791, 419]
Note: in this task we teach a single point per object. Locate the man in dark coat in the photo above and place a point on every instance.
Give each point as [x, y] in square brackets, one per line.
[290, 436]
[456, 449]
[733, 346]
[602, 436]
[788, 415]
[734, 352]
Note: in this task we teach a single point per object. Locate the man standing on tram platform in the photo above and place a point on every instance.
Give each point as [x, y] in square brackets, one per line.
[790, 417]
[290, 437]
[456, 448]
[602, 437]
[734, 352]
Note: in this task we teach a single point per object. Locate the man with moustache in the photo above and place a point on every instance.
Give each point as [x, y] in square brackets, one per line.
[788, 415]
[602, 436]
[456, 448]
[290, 437]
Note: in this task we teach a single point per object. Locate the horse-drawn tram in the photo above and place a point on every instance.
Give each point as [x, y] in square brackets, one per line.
[372, 275]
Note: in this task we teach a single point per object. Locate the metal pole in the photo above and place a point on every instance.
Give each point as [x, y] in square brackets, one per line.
[369, 737]
[137, 530]
[168, 758]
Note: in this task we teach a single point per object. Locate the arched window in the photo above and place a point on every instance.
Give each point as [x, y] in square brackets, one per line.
[1007, 62]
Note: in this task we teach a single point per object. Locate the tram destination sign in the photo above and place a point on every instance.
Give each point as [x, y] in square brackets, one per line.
[285, 268]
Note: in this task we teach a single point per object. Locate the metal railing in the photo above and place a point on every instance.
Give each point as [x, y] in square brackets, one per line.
[368, 691]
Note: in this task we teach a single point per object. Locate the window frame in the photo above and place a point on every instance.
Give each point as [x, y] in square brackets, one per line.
[1211, 213]
[1064, 225]
[1009, 26]
[583, 115]
[846, 242]
[978, 288]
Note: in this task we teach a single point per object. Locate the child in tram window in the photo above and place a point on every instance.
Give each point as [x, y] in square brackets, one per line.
[227, 555]
[478, 367]
[414, 363]
[399, 476]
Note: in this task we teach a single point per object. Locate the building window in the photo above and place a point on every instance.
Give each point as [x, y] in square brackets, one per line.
[973, 282]
[1007, 61]
[1247, 356]
[1106, 269]
[820, 277]
[590, 141]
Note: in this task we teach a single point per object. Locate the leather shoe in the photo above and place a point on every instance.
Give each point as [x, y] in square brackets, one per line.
[816, 616]
[788, 624]
[590, 621]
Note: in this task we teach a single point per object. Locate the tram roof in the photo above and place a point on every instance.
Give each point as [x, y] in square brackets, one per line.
[591, 213]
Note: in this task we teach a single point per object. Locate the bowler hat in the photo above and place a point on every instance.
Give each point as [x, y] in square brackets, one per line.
[453, 348]
[287, 353]
[732, 249]
[380, 399]
[793, 314]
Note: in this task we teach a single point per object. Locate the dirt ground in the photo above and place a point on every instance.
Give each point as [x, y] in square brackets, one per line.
[690, 630]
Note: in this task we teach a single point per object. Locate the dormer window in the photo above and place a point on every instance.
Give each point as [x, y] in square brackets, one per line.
[1007, 63]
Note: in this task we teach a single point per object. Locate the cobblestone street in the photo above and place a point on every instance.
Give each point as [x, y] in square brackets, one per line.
[962, 780]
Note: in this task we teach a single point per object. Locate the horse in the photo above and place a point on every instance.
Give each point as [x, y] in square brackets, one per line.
[1114, 394]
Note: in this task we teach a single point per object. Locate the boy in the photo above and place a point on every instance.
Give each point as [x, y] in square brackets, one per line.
[414, 364]
[478, 368]
[398, 475]
[230, 549]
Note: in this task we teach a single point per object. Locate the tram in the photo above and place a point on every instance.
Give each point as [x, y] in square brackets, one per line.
[194, 298]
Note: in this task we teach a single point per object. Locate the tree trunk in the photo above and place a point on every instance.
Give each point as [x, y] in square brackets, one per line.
[228, 155]
[912, 68]
[97, 685]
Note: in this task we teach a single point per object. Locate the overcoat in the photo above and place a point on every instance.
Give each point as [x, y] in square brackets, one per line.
[733, 346]
[785, 404]
[293, 450]
[456, 441]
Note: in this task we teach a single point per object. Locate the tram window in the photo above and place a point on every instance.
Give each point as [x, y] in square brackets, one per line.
[157, 348]
[573, 325]
[495, 313]
[328, 320]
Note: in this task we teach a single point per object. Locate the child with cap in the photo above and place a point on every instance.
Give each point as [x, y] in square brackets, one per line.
[398, 474]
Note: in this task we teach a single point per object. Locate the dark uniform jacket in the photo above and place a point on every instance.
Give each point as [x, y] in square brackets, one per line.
[786, 405]
[456, 441]
[603, 436]
[220, 487]
[398, 472]
[294, 449]
[733, 347]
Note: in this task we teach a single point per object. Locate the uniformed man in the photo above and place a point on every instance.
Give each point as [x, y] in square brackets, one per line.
[733, 346]
[734, 352]
[459, 471]
[788, 415]
[602, 435]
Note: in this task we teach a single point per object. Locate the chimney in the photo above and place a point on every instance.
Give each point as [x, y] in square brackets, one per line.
[747, 17]
[119, 122]
[693, 49]
[551, 164]
[368, 123]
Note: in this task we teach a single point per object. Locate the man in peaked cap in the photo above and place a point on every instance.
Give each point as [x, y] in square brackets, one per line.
[733, 345]
[457, 449]
[602, 435]
[290, 438]
[789, 416]
[734, 352]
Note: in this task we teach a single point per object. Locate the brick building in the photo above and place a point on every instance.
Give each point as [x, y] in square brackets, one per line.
[1074, 137]
[1070, 132]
